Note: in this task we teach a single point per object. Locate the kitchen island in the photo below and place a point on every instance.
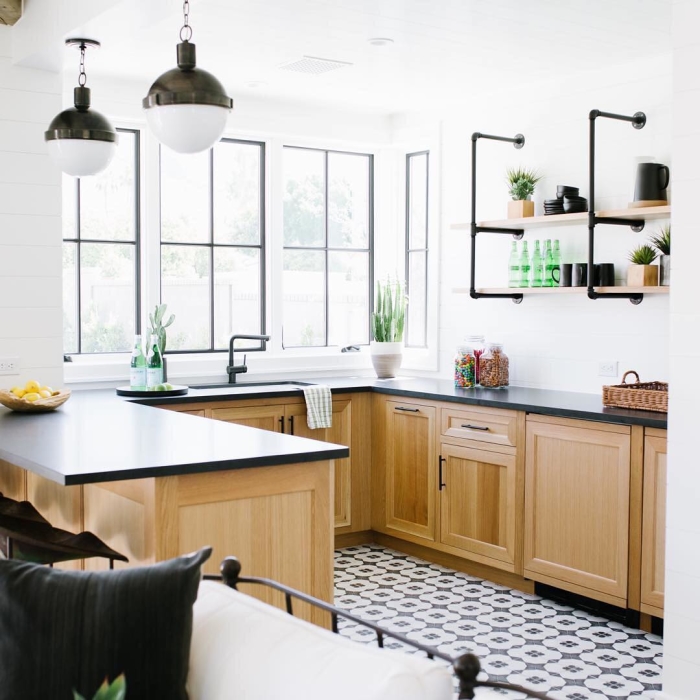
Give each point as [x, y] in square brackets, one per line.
[154, 484]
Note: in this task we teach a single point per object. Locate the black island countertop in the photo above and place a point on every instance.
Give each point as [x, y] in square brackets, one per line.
[564, 404]
[97, 437]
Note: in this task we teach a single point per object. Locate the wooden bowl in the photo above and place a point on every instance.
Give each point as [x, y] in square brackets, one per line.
[9, 400]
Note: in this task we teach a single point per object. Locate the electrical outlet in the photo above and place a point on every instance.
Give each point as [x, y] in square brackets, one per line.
[607, 368]
[9, 365]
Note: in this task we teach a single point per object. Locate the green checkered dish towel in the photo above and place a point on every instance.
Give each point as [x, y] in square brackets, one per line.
[319, 407]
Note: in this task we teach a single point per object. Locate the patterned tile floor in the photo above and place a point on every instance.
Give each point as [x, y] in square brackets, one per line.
[520, 638]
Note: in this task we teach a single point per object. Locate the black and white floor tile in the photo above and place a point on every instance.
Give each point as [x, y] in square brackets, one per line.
[520, 638]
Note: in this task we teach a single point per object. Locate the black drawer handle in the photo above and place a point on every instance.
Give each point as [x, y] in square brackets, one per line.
[441, 484]
[475, 427]
[412, 410]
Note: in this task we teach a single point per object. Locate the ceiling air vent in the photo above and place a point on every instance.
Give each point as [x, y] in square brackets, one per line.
[313, 66]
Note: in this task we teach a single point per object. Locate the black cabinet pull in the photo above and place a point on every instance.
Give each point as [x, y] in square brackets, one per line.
[291, 425]
[281, 424]
[441, 460]
[475, 427]
[411, 410]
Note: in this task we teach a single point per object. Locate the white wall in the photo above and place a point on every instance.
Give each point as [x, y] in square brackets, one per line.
[554, 342]
[30, 223]
[682, 611]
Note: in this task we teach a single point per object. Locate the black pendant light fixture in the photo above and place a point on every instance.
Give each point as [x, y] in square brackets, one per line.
[187, 107]
[80, 140]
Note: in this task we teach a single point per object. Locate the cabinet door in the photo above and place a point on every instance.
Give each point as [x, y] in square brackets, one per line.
[654, 523]
[477, 501]
[577, 482]
[339, 433]
[411, 469]
[263, 417]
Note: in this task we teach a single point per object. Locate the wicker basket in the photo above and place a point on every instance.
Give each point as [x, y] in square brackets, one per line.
[642, 396]
[9, 400]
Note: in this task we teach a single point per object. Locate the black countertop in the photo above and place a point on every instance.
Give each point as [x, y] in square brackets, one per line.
[97, 437]
[565, 404]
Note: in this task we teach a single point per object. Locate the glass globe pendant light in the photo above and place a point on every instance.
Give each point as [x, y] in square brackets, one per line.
[80, 140]
[187, 107]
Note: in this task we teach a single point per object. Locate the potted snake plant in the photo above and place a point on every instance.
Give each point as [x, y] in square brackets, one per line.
[662, 243]
[387, 328]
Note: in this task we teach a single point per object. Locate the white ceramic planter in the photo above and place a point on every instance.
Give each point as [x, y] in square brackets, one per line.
[386, 358]
[665, 270]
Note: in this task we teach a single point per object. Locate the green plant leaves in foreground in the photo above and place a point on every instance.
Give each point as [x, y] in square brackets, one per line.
[114, 691]
[389, 315]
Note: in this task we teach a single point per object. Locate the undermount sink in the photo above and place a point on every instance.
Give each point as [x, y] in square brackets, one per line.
[247, 385]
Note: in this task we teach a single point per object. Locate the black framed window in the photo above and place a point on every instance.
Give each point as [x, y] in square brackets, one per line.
[417, 183]
[101, 230]
[328, 232]
[212, 235]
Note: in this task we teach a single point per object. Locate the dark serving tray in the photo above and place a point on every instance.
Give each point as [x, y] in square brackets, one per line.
[177, 390]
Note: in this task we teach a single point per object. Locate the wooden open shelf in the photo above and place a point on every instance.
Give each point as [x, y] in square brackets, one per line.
[646, 213]
[563, 290]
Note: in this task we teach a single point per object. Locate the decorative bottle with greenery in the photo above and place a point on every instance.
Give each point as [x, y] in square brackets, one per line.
[524, 266]
[154, 364]
[514, 266]
[157, 328]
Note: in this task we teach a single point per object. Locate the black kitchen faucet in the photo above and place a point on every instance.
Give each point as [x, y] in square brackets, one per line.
[234, 370]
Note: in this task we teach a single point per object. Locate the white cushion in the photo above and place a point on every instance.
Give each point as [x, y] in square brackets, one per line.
[247, 650]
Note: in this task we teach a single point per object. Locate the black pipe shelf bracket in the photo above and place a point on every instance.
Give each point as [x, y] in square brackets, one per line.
[518, 142]
[638, 120]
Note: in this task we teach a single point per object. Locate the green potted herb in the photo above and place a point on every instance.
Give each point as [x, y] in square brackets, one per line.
[114, 691]
[662, 243]
[641, 273]
[388, 322]
[521, 186]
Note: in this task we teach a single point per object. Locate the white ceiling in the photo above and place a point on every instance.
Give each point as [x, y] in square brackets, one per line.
[444, 51]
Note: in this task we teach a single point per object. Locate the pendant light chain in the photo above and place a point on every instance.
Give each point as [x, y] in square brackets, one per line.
[186, 31]
[82, 76]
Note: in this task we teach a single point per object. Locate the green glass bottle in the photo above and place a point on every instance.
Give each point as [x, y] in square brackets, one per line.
[154, 365]
[524, 266]
[536, 268]
[548, 264]
[137, 375]
[514, 266]
[556, 268]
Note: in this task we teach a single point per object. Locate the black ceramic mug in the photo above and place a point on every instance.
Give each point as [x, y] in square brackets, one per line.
[604, 275]
[579, 274]
[565, 275]
[652, 181]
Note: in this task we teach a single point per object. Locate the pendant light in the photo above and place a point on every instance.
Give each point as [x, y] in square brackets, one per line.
[187, 107]
[80, 140]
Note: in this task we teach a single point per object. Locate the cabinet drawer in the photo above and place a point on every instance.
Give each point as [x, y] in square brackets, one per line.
[496, 427]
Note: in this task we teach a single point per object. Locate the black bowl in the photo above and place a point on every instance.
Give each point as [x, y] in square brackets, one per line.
[566, 189]
[575, 207]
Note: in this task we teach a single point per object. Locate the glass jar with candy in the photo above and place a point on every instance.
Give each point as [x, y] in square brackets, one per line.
[465, 366]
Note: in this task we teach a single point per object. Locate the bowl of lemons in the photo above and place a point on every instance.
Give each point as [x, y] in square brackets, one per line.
[33, 397]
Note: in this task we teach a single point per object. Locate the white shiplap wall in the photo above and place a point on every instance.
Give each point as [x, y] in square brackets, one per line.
[30, 222]
[682, 613]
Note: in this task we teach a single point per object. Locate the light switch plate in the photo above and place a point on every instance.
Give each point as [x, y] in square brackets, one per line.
[9, 365]
[607, 368]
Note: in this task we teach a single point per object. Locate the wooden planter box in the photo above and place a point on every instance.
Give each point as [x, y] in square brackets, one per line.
[520, 208]
[643, 276]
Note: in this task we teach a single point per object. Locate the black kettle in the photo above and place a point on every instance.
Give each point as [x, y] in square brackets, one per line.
[652, 181]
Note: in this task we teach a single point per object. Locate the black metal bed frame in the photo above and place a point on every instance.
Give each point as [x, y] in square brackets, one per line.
[466, 666]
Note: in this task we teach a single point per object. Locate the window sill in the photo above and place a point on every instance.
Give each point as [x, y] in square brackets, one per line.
[103, 371]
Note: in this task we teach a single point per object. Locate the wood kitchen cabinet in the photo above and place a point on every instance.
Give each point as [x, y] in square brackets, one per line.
[577, 484]
[478, 502]
[408, 461]
[351, 426]
[653, 522]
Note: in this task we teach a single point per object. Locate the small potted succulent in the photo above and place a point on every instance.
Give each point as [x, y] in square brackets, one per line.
[662, 243]
[521, 185]
[641, 273]
[388, 322]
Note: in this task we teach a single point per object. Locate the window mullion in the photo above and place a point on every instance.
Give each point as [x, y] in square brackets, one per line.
[211, 249]
[326, 253]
